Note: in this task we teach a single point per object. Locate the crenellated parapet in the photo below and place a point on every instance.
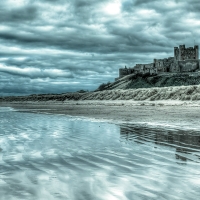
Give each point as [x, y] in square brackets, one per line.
[183, 53]
[184, 60]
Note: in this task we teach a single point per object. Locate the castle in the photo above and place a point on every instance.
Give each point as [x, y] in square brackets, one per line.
[184, 60]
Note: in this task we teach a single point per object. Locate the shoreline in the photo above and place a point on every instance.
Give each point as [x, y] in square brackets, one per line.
[176, 113]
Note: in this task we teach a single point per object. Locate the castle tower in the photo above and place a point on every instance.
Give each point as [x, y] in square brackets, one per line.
[176, 54]
[182, 52]
[196, 48]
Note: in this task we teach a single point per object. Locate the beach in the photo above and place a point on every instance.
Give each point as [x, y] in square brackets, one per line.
[64, 148]
[169, 105]
[180, 113]
[89, 156]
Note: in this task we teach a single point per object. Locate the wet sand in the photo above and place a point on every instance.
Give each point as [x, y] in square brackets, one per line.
[171, 112]
[50, 156]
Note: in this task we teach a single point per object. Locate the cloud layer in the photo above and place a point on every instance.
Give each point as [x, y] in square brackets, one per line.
[55, 46]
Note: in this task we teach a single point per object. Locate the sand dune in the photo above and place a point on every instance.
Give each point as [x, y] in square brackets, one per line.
[165, 93]
[181, 93]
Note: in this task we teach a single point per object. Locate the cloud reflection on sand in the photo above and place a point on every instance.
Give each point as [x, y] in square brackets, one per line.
[60, 157]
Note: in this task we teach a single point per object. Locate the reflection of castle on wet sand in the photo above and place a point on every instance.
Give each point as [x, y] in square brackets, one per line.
[185, 142]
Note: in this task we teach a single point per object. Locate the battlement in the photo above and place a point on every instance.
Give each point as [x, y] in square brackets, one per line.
[182, 53]
[184, 60]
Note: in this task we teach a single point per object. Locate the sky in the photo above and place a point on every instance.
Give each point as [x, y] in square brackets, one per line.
[58, 46]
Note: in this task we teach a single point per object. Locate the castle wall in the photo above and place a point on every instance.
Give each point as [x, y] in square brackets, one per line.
[138, 69]
[184, 60]
[197, 51]
[158, 63]
[188, 65]
[175, 67]
[150, 68]
[164, 65]
[176, 54]
[167, 63]
[153, 71]
[145, 69]
[125, 71]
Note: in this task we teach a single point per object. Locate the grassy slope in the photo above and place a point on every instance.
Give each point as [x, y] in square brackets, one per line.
[165, 80]
[161, 87]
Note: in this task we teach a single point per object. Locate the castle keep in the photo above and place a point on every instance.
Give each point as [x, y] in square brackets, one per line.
[184, 60]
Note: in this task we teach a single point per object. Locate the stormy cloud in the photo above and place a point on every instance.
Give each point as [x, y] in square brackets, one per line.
[57, 46]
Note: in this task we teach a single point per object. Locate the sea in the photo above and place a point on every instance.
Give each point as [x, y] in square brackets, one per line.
[51, 156]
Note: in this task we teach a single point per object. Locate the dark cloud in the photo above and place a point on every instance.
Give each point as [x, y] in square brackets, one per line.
[55, 46]
[35, 72]
[21, 14]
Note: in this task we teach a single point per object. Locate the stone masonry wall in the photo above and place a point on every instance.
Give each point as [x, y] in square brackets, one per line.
[184, 60]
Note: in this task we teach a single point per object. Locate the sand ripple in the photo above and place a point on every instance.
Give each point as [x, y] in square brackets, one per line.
[59, 157]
